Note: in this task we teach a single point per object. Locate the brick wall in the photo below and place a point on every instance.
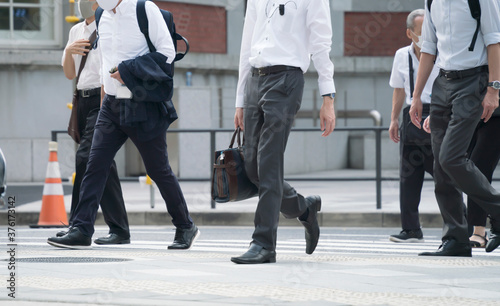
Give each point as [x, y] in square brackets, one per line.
[374, 34]
[204, 26]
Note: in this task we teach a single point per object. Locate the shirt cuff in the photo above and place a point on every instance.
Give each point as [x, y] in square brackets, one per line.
[491, 38]
[326, 88]
[428, 47]
[240, 101]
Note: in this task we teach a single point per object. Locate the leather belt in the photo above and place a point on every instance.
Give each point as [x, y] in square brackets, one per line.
[460, 74]
[272, 69]
[85, 93]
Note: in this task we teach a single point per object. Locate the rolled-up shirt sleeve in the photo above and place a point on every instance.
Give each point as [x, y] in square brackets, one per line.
[159, 33]
[397, 79]
[429, 33]
[320, 41]
[490, 21]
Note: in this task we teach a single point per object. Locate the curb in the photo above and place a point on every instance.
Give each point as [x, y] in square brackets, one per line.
[347, 219]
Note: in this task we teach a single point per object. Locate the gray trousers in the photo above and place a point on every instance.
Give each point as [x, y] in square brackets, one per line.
[271, 103]
[455, 112]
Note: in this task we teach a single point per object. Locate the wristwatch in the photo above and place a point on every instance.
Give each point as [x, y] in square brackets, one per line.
[331, 95]
[494, 84]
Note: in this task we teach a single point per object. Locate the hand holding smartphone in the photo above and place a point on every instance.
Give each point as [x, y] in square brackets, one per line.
[122, 92]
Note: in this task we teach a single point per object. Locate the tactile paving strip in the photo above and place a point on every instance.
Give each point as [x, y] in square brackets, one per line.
[411, 260]
[273, 292]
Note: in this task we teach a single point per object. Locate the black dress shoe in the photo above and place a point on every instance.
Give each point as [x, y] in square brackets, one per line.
[311, 223]
[61, 233]
[494, 241]
[451, 248]
[74, 239]
[184, 238]
[255, 255]
[112, 239]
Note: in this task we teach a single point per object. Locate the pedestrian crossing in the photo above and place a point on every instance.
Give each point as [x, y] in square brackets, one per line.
[330, 243]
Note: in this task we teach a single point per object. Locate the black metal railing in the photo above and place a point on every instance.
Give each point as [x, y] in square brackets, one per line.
[378, 155]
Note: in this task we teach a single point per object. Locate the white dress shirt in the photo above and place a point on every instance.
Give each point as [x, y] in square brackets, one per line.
[269, 38]
[450, 28]
[400, 76]
[120, 38]
[90, 77]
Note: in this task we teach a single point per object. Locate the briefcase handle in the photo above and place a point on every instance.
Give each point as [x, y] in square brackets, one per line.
[237, 132]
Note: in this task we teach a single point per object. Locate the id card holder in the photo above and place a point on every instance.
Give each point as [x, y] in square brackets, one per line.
[122, 92]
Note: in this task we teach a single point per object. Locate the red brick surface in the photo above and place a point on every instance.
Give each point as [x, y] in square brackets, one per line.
[374, 34]
[204, 26]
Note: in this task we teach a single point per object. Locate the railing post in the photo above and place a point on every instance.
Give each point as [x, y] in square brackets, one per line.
[152, 195]
[212, 150]
[378, 166]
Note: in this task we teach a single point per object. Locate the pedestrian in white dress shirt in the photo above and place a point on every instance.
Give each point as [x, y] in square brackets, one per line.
[279, 40]
[415, 144]
[465, 92]
[89, 101]
[136, 104]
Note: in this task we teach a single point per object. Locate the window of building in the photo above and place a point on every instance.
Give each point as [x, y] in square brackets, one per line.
[30, 23]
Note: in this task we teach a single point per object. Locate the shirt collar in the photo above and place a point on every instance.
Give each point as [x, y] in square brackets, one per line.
[90, 27]
[120, 9]
[412, 50]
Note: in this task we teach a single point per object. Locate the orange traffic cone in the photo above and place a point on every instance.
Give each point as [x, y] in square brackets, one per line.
[53, 213]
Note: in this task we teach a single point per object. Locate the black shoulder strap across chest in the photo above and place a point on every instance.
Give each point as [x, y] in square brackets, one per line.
[410, 65]
[475, 11]
[142, 19]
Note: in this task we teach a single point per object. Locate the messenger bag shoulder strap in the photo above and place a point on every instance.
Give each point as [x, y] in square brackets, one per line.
[410, 65]
[92, 39]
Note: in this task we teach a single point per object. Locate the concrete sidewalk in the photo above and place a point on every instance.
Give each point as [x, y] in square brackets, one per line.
[349, 267]
[345, 203]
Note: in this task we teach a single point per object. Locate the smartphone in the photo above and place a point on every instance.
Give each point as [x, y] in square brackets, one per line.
[122, 92]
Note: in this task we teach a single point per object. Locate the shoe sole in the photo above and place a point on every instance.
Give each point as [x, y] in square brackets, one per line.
[65, 246]
[448, 255]
[244, 262]
[107, 243]
[198, 233]
[409, 240]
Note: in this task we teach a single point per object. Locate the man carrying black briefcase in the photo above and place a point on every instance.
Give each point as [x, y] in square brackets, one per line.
[277, 43]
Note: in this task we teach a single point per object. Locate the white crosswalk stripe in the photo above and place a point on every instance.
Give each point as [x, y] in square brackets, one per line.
[341, 244]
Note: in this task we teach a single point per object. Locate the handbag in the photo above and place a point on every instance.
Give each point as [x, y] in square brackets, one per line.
[73, 129]
[409, 132]
[229, 179]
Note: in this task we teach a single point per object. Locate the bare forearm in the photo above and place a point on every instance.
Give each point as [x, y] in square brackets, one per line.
[398, 99]
[69, 67]
[102, 93]
[494, 63]
[424, 71]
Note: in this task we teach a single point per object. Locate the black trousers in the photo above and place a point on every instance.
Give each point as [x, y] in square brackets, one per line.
[485, 153]
[455, 112]
[109, 136]
[415, 161]
[112, 204]
[271, 103]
